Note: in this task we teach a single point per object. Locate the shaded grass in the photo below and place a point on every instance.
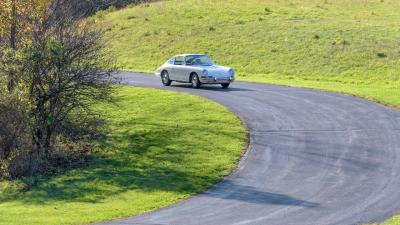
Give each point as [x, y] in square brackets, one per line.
[160, 147]
[349, 46]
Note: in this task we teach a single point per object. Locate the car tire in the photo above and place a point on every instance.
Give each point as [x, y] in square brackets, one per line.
[195, 81]
[165, 78]
[225, 85]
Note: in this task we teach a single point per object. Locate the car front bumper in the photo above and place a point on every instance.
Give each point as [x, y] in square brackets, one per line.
[216, 80]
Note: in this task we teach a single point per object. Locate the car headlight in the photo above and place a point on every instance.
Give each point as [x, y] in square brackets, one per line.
[231, 72]
[205, 72]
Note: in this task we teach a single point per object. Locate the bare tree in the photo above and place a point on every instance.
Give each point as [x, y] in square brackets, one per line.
[65, 69]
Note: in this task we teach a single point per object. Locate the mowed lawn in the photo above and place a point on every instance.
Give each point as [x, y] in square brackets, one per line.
[160, 147]
[350, 46]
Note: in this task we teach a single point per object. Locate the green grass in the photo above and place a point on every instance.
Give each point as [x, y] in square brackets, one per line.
[393, 221]
[161, 147]
[349, 46]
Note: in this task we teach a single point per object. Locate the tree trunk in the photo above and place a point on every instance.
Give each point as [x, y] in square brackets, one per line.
[47, 142]
[13, 32]
[13, 44]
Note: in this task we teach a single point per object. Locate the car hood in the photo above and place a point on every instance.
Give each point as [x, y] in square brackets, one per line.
[216, 70]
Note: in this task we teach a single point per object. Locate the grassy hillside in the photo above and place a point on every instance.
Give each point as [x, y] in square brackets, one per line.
[147, 161]
[350, 46]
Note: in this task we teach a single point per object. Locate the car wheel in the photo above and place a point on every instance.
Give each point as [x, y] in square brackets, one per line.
[225, 85]
[165, 78]
[195, 81]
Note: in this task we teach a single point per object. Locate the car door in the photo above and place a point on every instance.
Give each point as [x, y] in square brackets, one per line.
[186, 70]
[171, 68]
[177, 68]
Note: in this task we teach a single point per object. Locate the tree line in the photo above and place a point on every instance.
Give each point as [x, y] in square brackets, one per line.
[53, 69]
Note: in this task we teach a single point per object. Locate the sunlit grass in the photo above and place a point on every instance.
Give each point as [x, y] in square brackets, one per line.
[160, 147]
[349, 46]
[393, 221]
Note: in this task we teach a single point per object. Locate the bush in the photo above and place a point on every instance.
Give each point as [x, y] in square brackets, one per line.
[15, 141]
[55, 78]
[72, 146]
[381, 55]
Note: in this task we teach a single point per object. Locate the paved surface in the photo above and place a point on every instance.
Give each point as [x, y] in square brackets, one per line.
[315, 158]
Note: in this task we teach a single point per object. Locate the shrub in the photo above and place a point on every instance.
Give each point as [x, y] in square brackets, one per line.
[56, 77]
[381, 55]
[15, 142]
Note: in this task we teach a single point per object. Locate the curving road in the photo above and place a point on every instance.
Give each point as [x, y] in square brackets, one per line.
[315, 158]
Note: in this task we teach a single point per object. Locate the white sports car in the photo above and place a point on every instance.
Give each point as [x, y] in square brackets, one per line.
[196, 69]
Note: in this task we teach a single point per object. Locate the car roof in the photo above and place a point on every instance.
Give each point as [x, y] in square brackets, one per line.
[184, 55]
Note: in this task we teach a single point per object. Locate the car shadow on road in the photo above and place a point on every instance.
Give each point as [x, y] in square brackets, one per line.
[231, 190]
[211, 88]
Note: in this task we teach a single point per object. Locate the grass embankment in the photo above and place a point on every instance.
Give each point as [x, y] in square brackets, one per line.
[160, 147]
[349, 46]
[393, 221]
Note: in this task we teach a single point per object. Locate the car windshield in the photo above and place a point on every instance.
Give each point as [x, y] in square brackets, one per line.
[201, 60]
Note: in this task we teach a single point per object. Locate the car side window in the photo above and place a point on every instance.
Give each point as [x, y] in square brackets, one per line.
[171, 61]
[179, 60]
[190, 60]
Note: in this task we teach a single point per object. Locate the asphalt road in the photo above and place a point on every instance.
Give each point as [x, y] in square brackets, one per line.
[315, 158]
